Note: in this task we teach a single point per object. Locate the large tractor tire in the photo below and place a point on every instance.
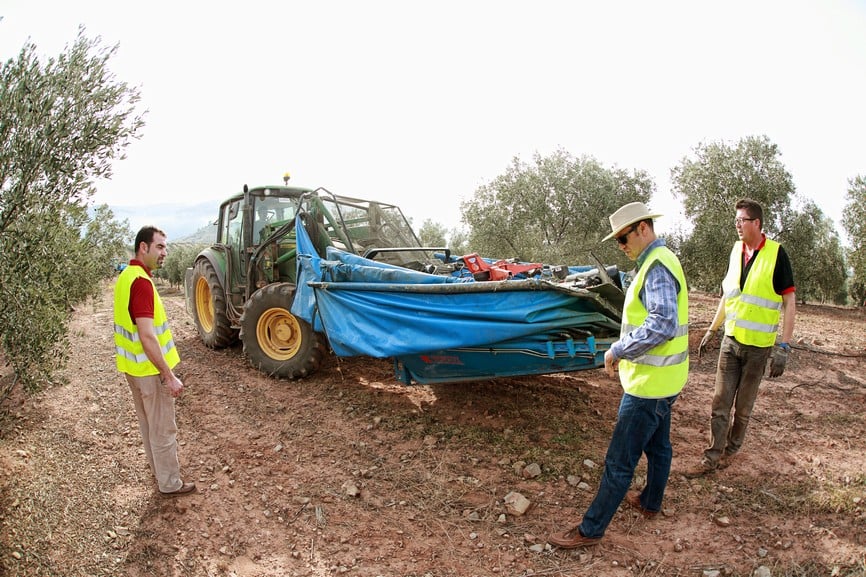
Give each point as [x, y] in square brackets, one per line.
[276, 341]
[209, 307]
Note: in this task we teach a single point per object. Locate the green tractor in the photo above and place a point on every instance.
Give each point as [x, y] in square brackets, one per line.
[243, 286]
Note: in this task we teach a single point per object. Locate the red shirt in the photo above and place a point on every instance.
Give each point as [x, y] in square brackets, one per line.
[140, 295]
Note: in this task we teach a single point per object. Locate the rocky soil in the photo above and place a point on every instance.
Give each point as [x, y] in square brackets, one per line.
[350, 473]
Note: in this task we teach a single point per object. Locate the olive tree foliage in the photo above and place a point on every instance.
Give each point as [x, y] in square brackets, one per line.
[432, 233]
[854, 221]
[436, 235]
[62, 122]
[92, 241]
[709, 185]
[816, 254]
[554, 210]
[181, 256]
[107, 242]
[458, 241]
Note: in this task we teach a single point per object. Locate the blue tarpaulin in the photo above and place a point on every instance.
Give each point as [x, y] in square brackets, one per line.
[371, 308]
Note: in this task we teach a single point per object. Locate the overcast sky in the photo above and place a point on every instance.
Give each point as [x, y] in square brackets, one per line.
[420, 103]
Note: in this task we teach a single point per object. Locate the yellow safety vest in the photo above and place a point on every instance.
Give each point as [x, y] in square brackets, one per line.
[129, 352]
[663, 370]
[752, 315]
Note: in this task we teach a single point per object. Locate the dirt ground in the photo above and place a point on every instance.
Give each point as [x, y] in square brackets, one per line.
[349, 472]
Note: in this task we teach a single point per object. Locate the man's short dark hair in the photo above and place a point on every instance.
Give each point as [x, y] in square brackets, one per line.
[145, 235]
[752, 208]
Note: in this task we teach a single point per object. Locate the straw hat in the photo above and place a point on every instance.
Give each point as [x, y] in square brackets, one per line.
[629, 214]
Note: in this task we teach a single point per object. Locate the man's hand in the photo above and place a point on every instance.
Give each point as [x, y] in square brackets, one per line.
[778, 358]
[174, 385]
[610, 363]
[708, 338]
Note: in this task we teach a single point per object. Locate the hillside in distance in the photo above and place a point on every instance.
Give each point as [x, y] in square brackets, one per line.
[204, 235]
[181, 222]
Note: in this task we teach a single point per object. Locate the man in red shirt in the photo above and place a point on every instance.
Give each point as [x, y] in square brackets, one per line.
[145, 352]
[757, 310]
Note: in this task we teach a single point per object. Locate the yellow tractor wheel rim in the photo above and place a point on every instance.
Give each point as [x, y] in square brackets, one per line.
[204, 305]
[278, 334]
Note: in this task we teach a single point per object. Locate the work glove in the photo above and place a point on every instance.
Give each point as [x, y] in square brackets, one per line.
[778, 358]
[708, 338]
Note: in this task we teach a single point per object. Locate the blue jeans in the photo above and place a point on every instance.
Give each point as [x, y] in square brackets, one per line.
[643, 426]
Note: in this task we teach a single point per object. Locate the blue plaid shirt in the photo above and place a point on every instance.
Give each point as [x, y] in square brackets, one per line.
[659, 297]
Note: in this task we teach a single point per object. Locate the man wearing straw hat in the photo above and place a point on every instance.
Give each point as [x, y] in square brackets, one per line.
[653, 360]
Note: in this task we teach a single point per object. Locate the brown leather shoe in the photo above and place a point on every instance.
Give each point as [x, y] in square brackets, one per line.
[705, 467]
[185, 489]
[572, 539]
[633, 499]
[728, 457]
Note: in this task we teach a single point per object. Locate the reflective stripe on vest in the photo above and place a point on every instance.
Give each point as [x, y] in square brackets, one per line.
[752, 315]
[663, 370]
[129, 351]
[133, 337]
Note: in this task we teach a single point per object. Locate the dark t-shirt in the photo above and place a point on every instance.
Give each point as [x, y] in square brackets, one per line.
[783, 275]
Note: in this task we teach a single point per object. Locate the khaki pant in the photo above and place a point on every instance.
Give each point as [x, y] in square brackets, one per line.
[154, 406]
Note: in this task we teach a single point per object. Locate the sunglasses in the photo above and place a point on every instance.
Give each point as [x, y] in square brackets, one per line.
[623, 238]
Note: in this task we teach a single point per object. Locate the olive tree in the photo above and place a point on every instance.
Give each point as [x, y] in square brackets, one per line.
[854, 221]
[181, 256]
[432, 233]
[63, 121]
[106, 241]
[436, 235]
[458, 241]
[816, 254]
[709, 185]
[554, 210]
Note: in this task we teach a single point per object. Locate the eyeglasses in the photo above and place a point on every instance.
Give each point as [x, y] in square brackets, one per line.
[623, 238]
[739, 221]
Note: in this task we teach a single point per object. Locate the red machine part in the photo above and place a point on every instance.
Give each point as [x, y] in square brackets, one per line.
[499, 270]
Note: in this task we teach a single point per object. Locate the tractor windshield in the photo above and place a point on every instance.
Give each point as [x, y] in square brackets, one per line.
[270, 212]
[373, 229]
